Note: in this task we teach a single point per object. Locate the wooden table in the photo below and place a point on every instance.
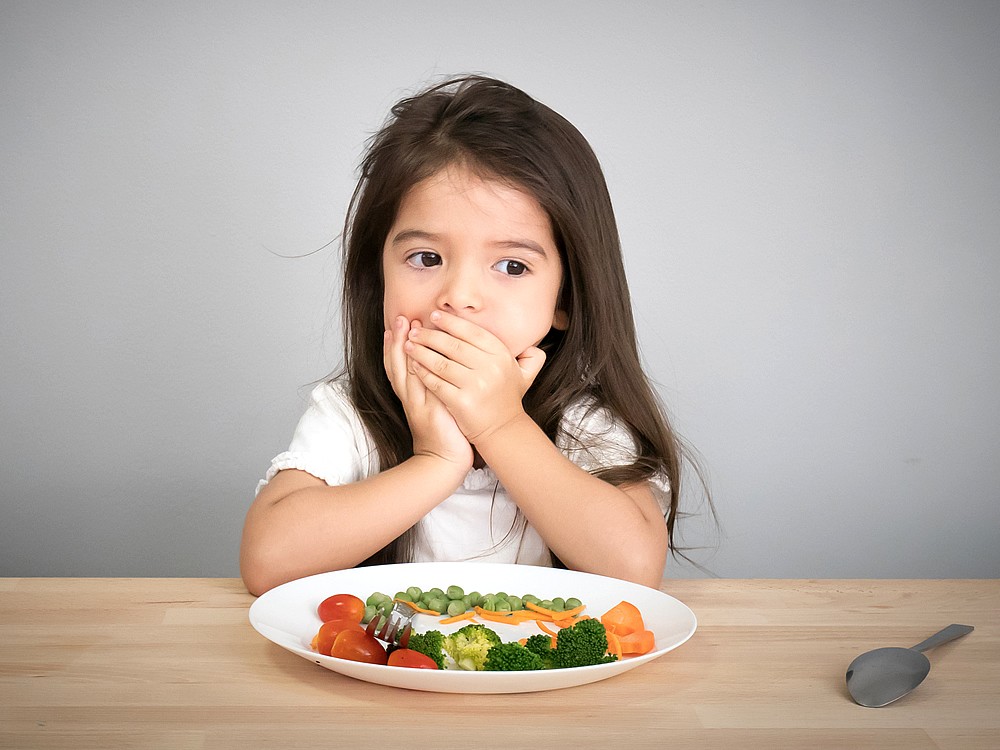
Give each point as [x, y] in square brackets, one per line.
[174, 663]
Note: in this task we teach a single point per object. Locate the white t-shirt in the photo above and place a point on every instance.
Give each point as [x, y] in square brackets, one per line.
[479, 521]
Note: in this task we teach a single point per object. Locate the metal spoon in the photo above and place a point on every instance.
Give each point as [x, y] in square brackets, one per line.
[879, 677]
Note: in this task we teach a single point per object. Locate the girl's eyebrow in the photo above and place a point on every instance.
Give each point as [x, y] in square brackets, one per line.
[414, 234]
[407, 235]
[523, 244]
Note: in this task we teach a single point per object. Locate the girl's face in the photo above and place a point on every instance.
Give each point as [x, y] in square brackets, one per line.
[476, 248]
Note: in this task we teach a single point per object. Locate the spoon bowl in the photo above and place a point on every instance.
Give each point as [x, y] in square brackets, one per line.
[879, 677]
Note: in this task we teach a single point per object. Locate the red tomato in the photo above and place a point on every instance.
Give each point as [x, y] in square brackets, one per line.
[329, 631]
[341, 607]
[357, 645]
[407, 657]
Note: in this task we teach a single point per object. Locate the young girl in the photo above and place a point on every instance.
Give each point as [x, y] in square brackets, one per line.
[492, 406]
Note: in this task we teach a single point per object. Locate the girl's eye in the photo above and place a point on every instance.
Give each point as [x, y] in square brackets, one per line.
[512, 267]
[424, 259]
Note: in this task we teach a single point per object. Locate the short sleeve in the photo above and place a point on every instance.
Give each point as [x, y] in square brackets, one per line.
[329, 442]
[593, 439]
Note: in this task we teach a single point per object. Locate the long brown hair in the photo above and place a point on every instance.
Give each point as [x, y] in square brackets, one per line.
[501, 133]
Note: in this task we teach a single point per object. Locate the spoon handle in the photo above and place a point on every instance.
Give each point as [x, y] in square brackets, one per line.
[950, 633]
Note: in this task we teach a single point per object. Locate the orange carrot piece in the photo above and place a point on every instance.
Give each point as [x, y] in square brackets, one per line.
[552, 613]
[622, 619]
[544, 629]
[614, 645]
[640, 642]
[470, 615]
[515, 617]
[418, 608]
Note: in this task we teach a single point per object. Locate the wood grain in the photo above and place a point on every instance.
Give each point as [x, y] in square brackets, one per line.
[174, 663]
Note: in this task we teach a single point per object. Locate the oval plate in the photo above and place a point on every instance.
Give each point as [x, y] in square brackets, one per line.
[286, 615]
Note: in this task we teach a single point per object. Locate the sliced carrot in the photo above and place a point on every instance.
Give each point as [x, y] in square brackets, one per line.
[470, 615]
[623, 618]
[552, 613]
[546, 630]
[640, 642]
[516, 617]
[418, 608]
[614, 645]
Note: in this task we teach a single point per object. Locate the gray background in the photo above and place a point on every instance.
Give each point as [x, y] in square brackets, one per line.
[807, 195]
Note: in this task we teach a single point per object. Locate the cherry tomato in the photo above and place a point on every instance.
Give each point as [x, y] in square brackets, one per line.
[407, 657]
[341, 607]
[357, 645]
[328, 632]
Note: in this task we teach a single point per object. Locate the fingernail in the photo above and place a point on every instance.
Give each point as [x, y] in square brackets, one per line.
[436, 315]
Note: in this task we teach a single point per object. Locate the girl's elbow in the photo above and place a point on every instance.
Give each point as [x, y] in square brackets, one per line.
[259, 574]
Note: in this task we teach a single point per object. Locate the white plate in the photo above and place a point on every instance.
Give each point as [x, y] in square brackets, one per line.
[286, 615]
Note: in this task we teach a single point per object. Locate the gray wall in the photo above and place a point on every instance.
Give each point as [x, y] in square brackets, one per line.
[807, 195]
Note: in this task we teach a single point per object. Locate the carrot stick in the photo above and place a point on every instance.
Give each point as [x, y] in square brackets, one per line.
[544, 629]
[515, 617]
[418, 608]
[552, 613]
[470, 615]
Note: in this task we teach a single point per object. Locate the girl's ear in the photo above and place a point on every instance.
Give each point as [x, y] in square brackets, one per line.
[560, 321]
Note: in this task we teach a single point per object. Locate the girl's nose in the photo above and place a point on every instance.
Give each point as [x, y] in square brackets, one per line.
[462, 290]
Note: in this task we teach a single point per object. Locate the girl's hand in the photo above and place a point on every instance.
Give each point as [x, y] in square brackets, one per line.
[472, 372]
[434, 430]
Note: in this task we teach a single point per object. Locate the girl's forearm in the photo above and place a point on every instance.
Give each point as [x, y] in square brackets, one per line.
[588, 523]
[299, 525]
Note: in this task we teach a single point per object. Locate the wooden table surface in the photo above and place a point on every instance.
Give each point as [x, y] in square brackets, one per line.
[174, 663]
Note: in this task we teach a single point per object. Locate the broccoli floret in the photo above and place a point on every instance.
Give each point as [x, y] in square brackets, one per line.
[469, 645]
[581, 645]
[542, 645]
[511, 657]
[430, 643]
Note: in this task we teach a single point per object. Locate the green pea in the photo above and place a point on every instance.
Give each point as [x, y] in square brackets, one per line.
[515, 603]
[502, 596]
[573, 603]
[490, 605]
[503, 606]
[375, 599]
[438, 604]
[415, 593]
[455, 592]
[558, 604]
[369, 614]
[436, 593]
[404, 596]
[531, 598]
[545, 604]
[456, 607]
